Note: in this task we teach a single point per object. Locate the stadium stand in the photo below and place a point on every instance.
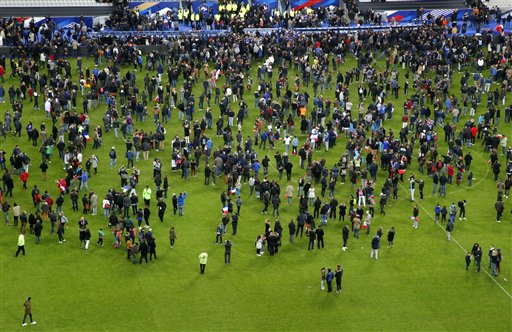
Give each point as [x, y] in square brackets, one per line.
[51, 3]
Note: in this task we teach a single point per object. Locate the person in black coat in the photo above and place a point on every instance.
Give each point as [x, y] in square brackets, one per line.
[312, 236]
[300, 224]
[343, 211]
[345, 232]
[292, 229]
[152, 248]
[161, 209]
[338, 276]
[227, 252]
[319, 237]
[174, 203]
[143, 249]
[391, 237]
[38, 228]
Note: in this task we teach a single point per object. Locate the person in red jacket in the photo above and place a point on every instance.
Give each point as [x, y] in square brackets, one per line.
[451, 172]
[24, 179]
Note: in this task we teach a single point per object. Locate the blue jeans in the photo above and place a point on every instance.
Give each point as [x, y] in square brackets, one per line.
[323, 219]
[180, 210]
[442, 190]
[493, 267]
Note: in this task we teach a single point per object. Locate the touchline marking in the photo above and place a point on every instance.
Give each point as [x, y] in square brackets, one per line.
[460, 246]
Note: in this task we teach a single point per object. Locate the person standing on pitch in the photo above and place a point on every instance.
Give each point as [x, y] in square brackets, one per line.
[227, 252]
[412, 185]
[329, 278]
[323, 276]
[375, 247]
[203, 258]
[468, 260]
[462, 209]
[338, 274]
[28, 312]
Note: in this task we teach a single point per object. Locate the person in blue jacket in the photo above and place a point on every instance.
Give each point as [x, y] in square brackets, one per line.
[375, 247]
[329, 278]
[181, 202]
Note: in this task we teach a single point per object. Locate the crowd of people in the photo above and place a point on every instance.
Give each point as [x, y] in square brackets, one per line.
[196, 77]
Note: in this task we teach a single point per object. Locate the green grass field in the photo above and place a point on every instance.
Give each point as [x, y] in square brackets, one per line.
[419, 285]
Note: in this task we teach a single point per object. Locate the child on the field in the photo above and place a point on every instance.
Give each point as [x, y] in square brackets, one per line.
[101, 234]
[416, 220]
[437, 212]
[323, 275]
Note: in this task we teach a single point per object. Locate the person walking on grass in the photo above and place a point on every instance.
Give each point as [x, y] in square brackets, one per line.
[101, 235]
[21, 244]
[391, 237]
[60, 232]
[338, 275]
[416, 221]
[345, 232]
[172, 236]
[87, 237]
[477, 256]
[28, 312]
[203, 259]
[449, 229]
[375, 247]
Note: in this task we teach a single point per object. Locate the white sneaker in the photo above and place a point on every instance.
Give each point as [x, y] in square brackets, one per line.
[498, 220]
[34, 323]
[24, 324]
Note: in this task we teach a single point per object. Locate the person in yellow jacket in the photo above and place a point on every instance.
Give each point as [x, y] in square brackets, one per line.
[186, 15]
[180, 15]
[21, 244]
[203, 258]
[146, 195]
